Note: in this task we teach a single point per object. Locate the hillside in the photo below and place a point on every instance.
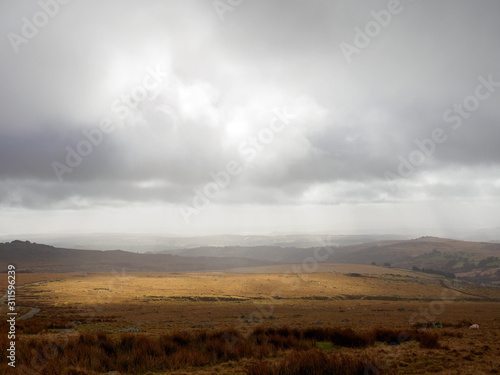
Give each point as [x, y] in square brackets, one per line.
[143, 243]
[32, 257]
[474, 261]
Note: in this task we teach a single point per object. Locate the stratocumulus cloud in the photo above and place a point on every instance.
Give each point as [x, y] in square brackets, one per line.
[121, 104]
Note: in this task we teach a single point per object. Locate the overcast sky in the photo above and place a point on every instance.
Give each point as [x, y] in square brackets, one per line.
[198, 117]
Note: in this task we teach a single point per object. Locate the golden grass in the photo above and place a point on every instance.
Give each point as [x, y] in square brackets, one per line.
[328, 268]
[29, 278]
[165, 304]
[150, 287]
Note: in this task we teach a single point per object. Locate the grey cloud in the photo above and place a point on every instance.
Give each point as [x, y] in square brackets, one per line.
[224, 79]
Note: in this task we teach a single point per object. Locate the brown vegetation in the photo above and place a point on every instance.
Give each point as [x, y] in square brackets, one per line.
[258, 323]
[139, 353]
[315, 362]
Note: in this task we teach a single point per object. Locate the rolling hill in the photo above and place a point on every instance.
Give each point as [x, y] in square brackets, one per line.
[32, 257]
[475, 261]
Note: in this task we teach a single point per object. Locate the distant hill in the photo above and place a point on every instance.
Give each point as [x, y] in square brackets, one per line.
[143, 243]
[32, 257]
[475, 261]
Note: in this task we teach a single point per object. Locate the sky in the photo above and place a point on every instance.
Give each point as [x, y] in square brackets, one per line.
[200, 117]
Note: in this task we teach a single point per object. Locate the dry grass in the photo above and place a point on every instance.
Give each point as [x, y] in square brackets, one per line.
[37, 325]
[253, 323]
[140, 353]
[158, 288]
[29, 278]
[341, 268]
[315, 362]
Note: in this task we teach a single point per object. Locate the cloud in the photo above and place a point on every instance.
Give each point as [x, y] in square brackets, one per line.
[223, 83]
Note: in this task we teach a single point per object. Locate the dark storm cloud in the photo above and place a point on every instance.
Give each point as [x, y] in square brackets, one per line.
[354, 120]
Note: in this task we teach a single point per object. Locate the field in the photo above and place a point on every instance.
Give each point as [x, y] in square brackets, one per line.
[263, 320]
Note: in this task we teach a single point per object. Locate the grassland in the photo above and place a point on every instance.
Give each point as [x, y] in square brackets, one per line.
[246, 321]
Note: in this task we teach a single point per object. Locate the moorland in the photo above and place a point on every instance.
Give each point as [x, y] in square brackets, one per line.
[232, 315]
